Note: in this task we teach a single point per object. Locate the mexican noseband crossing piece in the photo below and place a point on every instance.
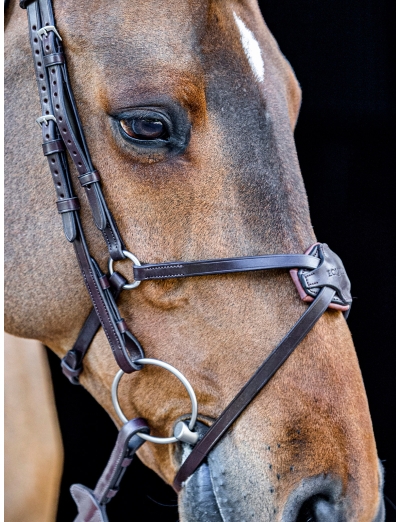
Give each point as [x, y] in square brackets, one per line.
[318, 275]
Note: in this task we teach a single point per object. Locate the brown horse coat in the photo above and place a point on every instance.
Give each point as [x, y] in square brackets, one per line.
[229, 186]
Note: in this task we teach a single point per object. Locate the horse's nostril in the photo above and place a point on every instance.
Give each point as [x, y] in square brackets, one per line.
[318, 508]
[316, 499]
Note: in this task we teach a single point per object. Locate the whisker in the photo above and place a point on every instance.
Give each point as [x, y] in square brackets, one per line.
[390, 502]
[160, 504]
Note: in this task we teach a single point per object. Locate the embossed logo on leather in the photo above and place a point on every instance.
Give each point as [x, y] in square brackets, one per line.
[330, 273]
[338, 272]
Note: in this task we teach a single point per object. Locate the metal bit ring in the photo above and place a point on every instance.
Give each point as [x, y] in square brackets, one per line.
[134, 260]
[184, 381]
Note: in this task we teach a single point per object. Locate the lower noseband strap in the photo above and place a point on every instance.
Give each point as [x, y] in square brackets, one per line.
[253, 386]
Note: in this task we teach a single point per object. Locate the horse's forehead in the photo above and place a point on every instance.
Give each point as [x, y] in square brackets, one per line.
[216, 59]
[148, 22]
[180, 48]
[178, 32]
[122, 30]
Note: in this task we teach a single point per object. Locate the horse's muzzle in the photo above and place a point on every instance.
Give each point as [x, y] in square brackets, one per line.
[210, 496]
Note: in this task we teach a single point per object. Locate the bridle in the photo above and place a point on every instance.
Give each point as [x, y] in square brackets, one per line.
[318, 275]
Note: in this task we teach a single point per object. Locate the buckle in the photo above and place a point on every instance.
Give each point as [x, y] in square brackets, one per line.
[45, 120]
[44, 31]
[330, 272]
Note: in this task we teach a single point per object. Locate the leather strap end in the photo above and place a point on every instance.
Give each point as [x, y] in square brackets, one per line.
[93, 193]
[104, 282]
[68, 205]
[134, 350]
[69, 226]
[89, 508]
[112, 492]
[122, 326]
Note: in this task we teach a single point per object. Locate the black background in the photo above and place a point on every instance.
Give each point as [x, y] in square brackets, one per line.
[343, 56]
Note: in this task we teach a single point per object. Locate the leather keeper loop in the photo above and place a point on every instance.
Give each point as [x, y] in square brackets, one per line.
[122, 326]
[88, 178]
[50, 147]
[53, 59]
[104, 282]
[68, 205]
[112, 492]
[117, 280]
[72, 374]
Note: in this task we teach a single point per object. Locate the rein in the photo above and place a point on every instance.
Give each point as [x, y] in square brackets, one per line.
[319, 276]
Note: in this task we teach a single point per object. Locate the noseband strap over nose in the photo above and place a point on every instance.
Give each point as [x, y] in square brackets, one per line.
[177, 269]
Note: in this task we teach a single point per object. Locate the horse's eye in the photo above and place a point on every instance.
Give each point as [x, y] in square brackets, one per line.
[144, 128]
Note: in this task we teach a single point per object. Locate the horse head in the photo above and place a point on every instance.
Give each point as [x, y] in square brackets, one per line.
[189, 109]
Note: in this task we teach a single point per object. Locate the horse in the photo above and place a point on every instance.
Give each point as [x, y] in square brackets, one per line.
[226, 183]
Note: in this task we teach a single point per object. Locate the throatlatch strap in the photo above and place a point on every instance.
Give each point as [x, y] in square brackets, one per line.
[253, 386]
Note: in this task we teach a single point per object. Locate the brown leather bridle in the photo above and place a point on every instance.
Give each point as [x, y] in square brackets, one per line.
[319, 274]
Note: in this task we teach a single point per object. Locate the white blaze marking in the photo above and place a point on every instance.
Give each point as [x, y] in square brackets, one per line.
[251, 48]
